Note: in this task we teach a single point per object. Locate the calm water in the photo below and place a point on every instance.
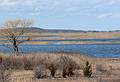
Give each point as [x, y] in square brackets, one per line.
[97, 50]
[90, 39]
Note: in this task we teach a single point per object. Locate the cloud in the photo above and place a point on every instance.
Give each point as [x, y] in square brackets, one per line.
[56, 3]
[101, 16]
[108, 15]
[106, 3]
[35, 7]
[7, 3]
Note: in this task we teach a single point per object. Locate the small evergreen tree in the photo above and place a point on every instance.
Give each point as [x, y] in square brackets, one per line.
[87, 71]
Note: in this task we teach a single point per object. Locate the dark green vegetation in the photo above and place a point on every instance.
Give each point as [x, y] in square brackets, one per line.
[87, 70]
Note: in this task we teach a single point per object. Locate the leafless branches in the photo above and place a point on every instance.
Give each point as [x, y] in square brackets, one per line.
[13, 32]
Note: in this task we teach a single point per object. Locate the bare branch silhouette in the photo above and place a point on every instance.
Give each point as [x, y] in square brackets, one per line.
[13, 32]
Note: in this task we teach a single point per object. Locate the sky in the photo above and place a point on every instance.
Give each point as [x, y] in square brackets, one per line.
[64, 14]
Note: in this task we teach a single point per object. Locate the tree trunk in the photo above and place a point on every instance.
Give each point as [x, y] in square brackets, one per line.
[15, 46]
[17, 51]
[64, 73]
[53, 73]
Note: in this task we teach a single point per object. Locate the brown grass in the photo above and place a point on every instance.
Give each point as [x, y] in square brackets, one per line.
[80, 35]
[104, 69]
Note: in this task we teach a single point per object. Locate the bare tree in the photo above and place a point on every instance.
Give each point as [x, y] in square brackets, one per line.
[13, 32]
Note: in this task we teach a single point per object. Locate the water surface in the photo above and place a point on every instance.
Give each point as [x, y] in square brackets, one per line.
[97, 50]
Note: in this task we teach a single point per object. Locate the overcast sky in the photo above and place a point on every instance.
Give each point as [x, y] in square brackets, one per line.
[65, 14]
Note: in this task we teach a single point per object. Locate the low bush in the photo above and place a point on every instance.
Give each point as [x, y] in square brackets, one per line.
[40, 72]
[48, 62]
[52, 68]
[4, 74]
[28, 63]
[87, 71]
[13, 62]
[67, 65]
[51, 62]
[103, 68]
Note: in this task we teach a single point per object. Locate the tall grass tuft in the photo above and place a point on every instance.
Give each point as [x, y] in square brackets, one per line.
[4, 74]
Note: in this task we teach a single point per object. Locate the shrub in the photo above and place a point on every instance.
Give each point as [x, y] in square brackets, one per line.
[13, 62]
[7, 62]
[67, 65]
[4, 75]
[18, 62]
[49, 64]
[28, 63]
[87, 71]
[40, 72]
[103, 67]
[52, 68]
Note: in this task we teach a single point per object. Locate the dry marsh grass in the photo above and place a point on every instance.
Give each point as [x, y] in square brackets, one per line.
[104, 69]
[82, 35]
[28, 61]
[63, 36]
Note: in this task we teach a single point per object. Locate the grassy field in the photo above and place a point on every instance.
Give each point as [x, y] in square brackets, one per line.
[103, 69]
